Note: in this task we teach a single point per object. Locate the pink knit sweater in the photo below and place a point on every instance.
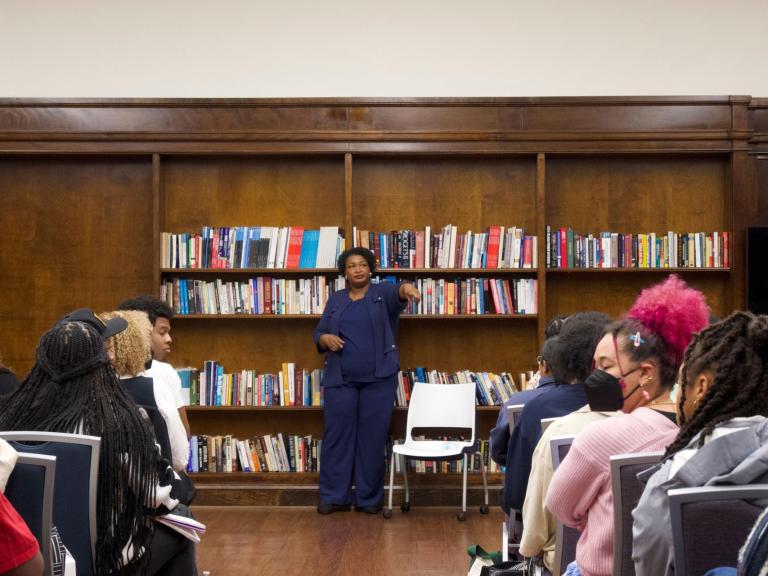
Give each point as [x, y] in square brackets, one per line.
[580, 491]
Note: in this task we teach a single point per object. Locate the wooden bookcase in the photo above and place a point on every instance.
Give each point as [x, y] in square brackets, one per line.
[89, 185]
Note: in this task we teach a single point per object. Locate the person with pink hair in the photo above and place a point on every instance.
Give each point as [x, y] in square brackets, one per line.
[636, 364]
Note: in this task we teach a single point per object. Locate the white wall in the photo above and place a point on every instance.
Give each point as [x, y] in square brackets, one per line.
[241, 48]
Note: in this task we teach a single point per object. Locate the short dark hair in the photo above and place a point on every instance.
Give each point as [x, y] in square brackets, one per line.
[152, 305]
[548, 350]
[356, 251]
[576, 343]
[555, 325]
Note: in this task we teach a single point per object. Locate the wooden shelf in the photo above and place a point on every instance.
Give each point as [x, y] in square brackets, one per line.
[318, 316]
[299, 409]
[334, 271]
[312, 478]
[637, 270]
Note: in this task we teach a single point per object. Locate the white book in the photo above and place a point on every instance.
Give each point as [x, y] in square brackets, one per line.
[428, 247]
[327, 246]
[453, 231]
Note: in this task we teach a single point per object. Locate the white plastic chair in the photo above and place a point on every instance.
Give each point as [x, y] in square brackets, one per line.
[438, 406]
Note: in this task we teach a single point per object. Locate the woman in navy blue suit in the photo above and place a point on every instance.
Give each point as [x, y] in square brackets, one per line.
[357, 334]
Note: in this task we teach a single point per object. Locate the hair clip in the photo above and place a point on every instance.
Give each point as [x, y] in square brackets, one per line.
[637, 339]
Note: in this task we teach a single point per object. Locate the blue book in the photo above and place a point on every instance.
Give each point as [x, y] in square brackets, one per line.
[194, 464]
[309, 243]
[219, 384]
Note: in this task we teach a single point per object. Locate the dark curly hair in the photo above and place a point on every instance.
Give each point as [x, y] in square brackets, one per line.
[356, 251]
[575, 347]
[555, 325]
[735, 350]
[153, 306]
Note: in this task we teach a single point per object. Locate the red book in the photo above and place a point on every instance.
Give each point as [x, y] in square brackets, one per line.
[528, 252]
[419, 262]
[563, 248]
[267, 295]
[294, 247]
[215, 249]
[726, 250]
[494, 236]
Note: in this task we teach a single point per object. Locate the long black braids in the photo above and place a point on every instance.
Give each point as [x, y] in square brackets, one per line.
[735, 350]
[73, 388]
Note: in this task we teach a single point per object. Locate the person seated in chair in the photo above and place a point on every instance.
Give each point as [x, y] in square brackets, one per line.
[723, 439]
[131, 351]
[72, 387]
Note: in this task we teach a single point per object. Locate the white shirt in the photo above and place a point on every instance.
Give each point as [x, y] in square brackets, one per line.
[166, 373]
[177, 435]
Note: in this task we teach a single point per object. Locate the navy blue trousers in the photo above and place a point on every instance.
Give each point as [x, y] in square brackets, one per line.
[356, 419]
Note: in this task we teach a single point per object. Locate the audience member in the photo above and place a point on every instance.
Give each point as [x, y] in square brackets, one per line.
[636, 362]
[570, 366]
[723, 436]
[131, 352]
[73, 388]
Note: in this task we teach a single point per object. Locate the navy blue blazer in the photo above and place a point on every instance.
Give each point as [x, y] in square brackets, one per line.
[384, 307]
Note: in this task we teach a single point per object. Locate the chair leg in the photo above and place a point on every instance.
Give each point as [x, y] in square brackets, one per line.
[461, 516]
[406, 506]
[504, 541]
[387, 513]
[484, 507]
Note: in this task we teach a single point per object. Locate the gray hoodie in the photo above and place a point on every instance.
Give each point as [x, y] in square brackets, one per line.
[736, 453]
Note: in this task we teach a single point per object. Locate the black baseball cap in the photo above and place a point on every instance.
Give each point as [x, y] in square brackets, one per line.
[106, 329]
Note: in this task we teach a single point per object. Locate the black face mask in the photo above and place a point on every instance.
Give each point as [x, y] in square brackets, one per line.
[605, 392]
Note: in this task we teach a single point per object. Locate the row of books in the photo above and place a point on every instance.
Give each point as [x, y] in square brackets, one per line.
[568, 249]
[290, 386]
[269, 453]
[497, 247]
[490, 389]
[453, 466]
[261, 295]
[297, 453]
[265, 295]
[475, 296]
[252, 247]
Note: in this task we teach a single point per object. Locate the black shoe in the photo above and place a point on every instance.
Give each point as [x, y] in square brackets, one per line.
[329, 508]
[368, 509]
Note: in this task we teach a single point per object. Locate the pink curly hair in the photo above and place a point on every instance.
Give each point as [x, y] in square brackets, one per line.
[674, 311]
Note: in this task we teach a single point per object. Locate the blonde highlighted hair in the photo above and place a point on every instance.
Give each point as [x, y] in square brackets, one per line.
[132, 347]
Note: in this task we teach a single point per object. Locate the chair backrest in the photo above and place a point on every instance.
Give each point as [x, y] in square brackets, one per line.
[513, 415]
[566, 537]
[560, 445]
[441, 406]
[626, 490]
[75, 488]
[545, 422]
[701, 542]
[30, 491]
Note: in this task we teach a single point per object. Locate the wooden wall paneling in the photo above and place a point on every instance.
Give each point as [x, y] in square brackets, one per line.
[637, 194]
[256, 191]
[158, 220]
[474, 344]
[69, 221]
[392, 193]
[614, 292]
[261, 344]
[348, 194]
[541, 227]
